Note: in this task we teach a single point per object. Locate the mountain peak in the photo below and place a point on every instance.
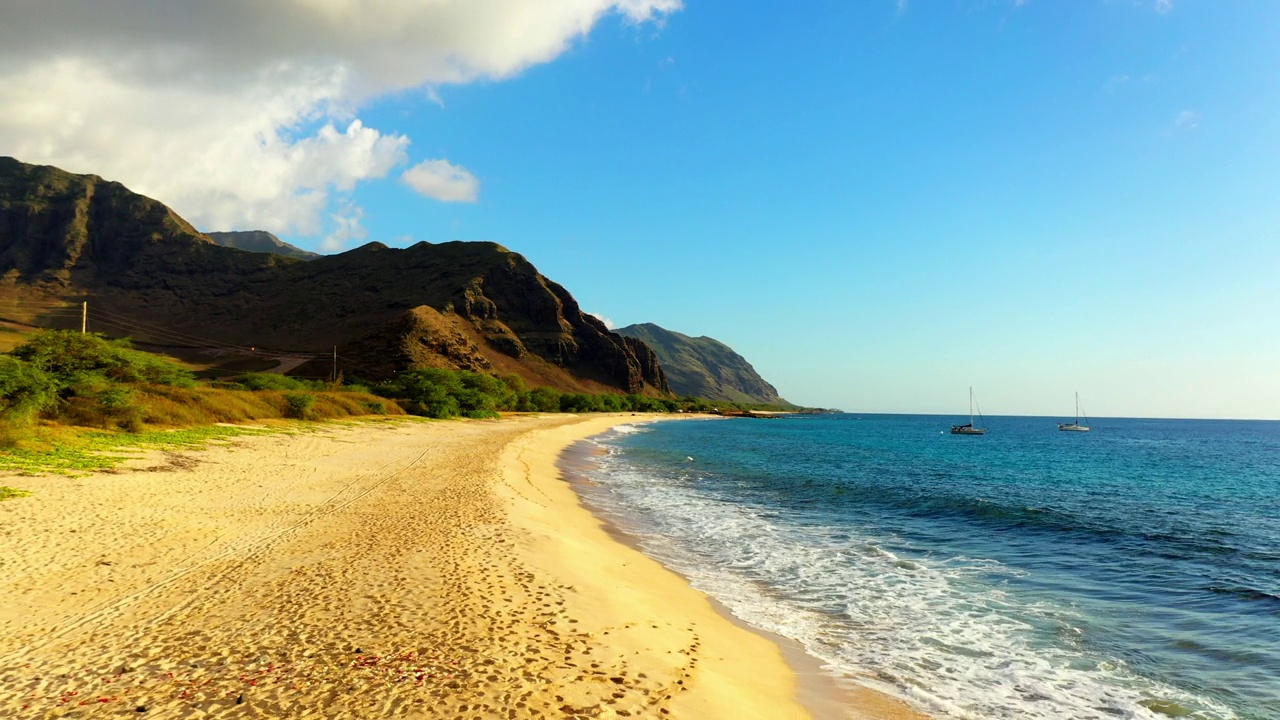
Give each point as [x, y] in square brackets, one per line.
[260, 241]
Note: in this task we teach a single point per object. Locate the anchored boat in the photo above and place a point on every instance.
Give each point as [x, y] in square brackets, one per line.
[970, 428]
[1075, 426]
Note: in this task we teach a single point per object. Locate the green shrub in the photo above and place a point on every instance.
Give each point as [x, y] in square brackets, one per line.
[440, 393]
[640, 403]
[275, 381]
[25, 390]
[544, 399]
[485, 393]
[429, 392]
[581, 403]
[70, 357]
[298, 405]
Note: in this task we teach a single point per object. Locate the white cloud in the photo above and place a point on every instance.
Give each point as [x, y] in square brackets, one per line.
[1187, 120]
[244, 114]
[346, 228]
[607, 322]
[1164, 6]
[443, 181]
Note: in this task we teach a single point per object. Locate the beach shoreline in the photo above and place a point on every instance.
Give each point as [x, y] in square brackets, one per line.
[820, 692]
[409, 569]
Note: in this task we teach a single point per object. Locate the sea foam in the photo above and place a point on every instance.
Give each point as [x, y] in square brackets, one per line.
[938, 631]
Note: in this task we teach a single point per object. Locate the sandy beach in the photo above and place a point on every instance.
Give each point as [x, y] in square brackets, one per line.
[404, 569]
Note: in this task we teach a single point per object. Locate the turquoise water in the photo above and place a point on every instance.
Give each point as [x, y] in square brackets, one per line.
[1129, 572]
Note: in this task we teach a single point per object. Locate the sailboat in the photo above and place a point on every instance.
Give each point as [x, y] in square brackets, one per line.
[970, 428]
[1075, 426]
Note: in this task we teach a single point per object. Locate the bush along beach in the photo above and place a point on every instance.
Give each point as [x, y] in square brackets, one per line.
[439, 393]
[57, 384]
[87, 380]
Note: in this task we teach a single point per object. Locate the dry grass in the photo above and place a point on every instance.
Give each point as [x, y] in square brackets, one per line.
[85, 436]
[11, 338]
[168, 406]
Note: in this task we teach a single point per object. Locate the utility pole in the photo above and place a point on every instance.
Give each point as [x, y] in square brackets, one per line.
[84, 316]
[334, 377]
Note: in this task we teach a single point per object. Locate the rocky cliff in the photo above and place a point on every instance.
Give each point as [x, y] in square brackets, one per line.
[148, 273]
[703, 366]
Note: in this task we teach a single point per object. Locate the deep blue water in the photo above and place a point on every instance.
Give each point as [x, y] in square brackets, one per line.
[1131, 572]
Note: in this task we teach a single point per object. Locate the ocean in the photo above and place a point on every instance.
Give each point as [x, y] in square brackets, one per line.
[1129, 572]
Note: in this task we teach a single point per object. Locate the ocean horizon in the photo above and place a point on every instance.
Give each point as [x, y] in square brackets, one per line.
[1131, 572]
[1056, 418]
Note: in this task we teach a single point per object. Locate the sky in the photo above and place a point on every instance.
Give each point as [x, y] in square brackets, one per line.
[878, 203]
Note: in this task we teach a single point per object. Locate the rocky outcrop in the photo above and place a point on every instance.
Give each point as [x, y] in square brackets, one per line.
[260, 241]
[464, 305]
[422, 337]
[702, 366]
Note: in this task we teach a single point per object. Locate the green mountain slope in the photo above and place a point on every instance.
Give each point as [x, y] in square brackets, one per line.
[703, 366]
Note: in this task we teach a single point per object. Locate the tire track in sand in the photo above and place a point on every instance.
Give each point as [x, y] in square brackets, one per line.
[250, 547]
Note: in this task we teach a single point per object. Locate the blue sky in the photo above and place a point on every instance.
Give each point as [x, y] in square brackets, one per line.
[878, 203]
[879, 208]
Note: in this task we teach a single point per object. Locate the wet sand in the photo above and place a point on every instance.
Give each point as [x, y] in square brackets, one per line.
[407, 569]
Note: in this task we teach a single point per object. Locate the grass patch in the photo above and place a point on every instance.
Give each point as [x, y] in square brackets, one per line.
[138, 407]
[11, 338]
[70, 451]
[8, 492]
[86, 452]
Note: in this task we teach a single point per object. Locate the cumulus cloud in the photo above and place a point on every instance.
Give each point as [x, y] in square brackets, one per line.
[346, 228]
[607, 322]
[245, 113]
[443, 181]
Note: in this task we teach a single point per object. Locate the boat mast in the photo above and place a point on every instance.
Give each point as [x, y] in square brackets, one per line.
[1077, 407]
[970, 406]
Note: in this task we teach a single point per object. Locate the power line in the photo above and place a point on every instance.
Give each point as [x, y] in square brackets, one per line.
[172, 334]
[132, 326]
[177, 335]
[133, 331]
[356, 366]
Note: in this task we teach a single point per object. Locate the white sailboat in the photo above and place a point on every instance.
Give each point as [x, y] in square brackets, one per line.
[1075, 426]
[970, 428]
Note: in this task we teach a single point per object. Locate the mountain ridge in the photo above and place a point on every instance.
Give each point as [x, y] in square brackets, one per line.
[146, 271]
[259, 241]
[704, 367]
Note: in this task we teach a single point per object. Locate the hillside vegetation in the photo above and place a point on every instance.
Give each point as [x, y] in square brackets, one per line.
[87, 380]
